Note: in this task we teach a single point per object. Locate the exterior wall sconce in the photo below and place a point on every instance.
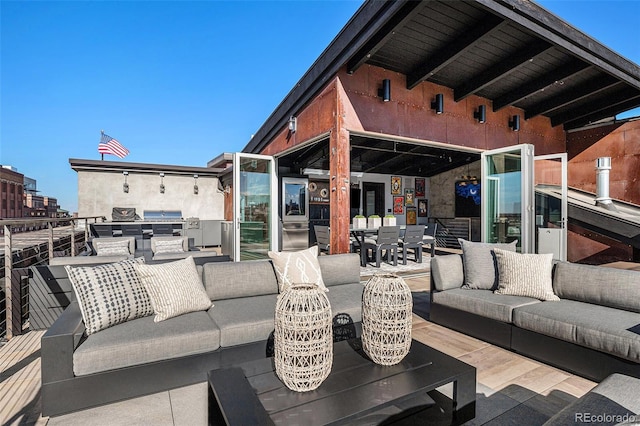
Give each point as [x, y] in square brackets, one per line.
[514, 123]
[293, 124]
[480, 114]
[125, 185]
[195, 184]
[385, 91]
[162, 183]
[438, 103]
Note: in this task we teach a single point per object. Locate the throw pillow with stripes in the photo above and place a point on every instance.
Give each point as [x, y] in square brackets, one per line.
[175, 288]
[525, 274]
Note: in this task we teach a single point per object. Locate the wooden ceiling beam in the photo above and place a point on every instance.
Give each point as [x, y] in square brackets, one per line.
[576, 95]
[556, 76]
[504, 67]
[453, 50]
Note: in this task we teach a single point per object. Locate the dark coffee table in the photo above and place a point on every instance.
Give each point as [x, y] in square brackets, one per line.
[252, 394]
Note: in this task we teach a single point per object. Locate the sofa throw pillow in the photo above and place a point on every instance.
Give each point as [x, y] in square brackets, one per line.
[175, 288]
[527, 275]
[169, 246]
[112, 248]
[479, 264]
[109, 294]
[297, 267]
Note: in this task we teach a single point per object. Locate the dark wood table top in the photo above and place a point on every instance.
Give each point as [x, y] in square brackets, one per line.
[251, 393]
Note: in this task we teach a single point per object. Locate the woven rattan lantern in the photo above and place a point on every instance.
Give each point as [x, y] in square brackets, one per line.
[386, 319]
[303, 337]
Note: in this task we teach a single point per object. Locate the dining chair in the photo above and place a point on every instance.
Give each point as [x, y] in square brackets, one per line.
[412, 240]
[323, 238]
[430, 237]
[387, 241]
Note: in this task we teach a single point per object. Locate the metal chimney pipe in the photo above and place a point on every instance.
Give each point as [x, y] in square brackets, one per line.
[603, 165]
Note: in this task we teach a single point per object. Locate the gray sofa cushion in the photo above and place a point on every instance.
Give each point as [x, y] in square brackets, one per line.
[616, 288]
[483, 302]
[340, 269]
[227, 280]
[244, 320]
[605, 329]
[615, 397]
[447, 272]
[141, 341]
[480, 270]
[347, 299]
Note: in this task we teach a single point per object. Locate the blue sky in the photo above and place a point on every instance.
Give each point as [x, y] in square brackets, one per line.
[178, 82]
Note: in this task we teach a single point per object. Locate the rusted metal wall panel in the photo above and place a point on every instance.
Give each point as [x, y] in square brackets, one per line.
[621, 142]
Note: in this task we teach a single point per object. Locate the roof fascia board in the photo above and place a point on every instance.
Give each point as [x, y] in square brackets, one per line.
[359, 30]
[120, 166]
[544, 24]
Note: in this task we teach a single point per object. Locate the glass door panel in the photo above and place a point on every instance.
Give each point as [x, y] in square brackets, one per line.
[507, 196]
[254, 178]
[551, 205]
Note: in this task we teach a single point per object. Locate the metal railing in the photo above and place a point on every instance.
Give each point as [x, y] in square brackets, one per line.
[450, 229]
[30, 242]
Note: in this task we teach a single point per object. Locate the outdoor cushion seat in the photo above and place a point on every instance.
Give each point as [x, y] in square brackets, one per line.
[616, 396]
[602, 328]
[341, 297]
[142, 341]
[485, 303]
[244, 320]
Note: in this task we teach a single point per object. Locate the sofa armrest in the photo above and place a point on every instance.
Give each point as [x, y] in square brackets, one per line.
[447, 272]
[58, 344]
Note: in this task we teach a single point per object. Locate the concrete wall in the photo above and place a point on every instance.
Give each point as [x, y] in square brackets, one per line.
[100, 191]
[442, 201]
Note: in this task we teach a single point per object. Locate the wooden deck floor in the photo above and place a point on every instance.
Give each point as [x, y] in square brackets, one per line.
[510, 387]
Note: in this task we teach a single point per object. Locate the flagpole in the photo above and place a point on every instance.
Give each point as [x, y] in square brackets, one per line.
[101, 154]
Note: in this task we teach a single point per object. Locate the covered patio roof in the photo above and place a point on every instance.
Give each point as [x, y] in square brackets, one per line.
[512, 52]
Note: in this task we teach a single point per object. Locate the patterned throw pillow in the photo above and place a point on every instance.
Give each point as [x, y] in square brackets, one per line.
[479, 263]
[175, 288]
[109, 294]
[112, 248]
[169, 246]
[525, 274]
[297, 267]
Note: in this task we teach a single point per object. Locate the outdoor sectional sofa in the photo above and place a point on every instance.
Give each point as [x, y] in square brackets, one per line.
[593, 330]
[141, 356]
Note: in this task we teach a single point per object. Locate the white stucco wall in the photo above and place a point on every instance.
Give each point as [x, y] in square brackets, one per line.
[100, 191]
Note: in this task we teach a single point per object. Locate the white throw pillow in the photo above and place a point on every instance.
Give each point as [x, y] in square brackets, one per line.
[175, 288]
[297, 267]
[112, 248]
[109, 294]
[527, 275]
[169, 246]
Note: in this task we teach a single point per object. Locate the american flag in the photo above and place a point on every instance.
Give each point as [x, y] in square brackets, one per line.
[109, 145]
